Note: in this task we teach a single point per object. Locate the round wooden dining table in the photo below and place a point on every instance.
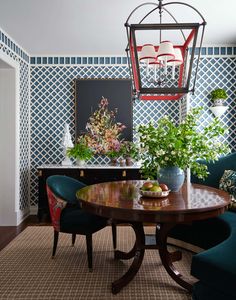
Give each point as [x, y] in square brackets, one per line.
[121, 201]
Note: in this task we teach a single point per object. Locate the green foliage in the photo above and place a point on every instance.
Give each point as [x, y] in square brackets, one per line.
[80, 150]
[218, 94]
[113, 153]
[129, 149]
[166, 144]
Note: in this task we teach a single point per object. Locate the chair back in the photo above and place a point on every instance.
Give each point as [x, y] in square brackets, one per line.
[56, 206]
[216, 170]
[61, 190]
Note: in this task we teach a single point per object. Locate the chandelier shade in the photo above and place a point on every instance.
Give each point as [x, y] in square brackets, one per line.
[177, 60]
[164, 69]
[148, 52]
[166, 51]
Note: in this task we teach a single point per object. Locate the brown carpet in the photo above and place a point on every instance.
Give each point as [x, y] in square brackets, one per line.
[28, 272]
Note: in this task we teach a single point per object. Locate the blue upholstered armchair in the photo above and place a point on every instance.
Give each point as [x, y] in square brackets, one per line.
[66, 214]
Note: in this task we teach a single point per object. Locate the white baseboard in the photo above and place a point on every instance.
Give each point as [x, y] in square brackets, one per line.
[33, 210]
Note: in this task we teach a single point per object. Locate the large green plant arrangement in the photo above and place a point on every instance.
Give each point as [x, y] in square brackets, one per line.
[166, 144]
[81, 150]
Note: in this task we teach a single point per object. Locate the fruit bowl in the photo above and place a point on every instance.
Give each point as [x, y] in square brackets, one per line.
[151, 194]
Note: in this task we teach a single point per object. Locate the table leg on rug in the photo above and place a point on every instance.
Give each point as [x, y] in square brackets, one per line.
[167, 258]
[137, 253]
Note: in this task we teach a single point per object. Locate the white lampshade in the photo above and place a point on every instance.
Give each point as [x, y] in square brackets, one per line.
[147, 52]
[165, 51]
[177, 60]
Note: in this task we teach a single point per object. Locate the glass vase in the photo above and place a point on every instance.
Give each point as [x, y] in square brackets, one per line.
[173, 177]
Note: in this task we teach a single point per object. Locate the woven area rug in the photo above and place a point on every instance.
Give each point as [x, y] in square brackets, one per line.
[28, 272]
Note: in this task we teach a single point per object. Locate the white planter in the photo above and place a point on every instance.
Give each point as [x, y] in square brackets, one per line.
[80, 162]
[218, 102]
[218, 110]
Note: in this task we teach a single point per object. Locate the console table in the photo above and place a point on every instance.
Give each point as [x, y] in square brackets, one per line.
[88, 174]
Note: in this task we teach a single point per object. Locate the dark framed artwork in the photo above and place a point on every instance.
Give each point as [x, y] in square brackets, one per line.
[88, 94]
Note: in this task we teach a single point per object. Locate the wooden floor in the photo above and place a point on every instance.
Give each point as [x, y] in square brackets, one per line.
[8, 233]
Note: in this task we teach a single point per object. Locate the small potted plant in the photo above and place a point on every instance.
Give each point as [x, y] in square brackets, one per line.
[218, 97]
[114, 151]
[130, 152]
[81, 152]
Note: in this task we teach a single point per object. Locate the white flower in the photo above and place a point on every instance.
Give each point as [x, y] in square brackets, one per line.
[166, 158]
[172, 152]
[161, 152]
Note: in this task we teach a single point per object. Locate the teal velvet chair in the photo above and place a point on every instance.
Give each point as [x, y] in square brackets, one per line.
[216, 267]
[67, 215]
[207, 233]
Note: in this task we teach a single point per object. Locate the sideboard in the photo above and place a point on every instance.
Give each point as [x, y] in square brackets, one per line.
[88, 174]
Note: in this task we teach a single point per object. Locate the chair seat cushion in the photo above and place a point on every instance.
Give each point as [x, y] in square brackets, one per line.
[204, 292]
[204, 234]
[74, 220]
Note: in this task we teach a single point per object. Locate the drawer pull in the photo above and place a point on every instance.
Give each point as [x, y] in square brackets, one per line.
[40, 173]
[124, 173]
[81, 174]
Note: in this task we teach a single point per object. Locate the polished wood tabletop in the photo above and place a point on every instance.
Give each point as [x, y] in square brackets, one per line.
[122, 201]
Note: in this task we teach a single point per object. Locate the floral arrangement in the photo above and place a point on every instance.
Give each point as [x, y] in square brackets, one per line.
[167, 144]
[103, 132]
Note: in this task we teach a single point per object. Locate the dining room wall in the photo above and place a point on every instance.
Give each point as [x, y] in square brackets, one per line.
[52, 98]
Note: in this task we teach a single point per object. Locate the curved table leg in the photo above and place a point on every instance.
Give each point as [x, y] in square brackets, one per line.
[138, 253]
[125, 255]
[167, 258]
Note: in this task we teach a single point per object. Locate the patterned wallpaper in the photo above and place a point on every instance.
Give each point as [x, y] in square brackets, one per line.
[14, 51]
[52, 98]
[51, 101]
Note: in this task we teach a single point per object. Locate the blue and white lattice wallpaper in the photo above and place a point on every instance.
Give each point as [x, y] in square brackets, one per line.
[51, 100]
[16, 53]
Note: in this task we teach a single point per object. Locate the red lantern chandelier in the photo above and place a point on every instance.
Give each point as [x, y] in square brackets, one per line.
[160, 68]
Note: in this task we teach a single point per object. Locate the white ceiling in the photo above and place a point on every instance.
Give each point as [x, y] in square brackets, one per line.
[96, 27]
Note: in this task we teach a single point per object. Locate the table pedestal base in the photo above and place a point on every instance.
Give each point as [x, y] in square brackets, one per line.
[137, 253]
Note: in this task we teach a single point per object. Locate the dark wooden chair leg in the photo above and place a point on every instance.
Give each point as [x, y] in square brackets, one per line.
[89, 251]
[55, 240]
[114, 234]
[73, 238]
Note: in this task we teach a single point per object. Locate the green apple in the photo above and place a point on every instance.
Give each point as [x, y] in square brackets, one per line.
[156, 188]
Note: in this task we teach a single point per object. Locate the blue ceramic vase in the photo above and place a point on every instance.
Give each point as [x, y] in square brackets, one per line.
[173, 177]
